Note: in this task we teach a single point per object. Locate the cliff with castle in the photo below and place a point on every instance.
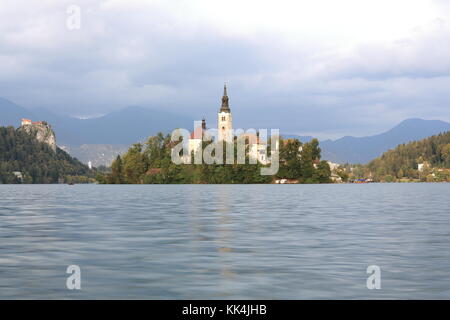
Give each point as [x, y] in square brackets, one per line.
[29, 155]
[41, 130]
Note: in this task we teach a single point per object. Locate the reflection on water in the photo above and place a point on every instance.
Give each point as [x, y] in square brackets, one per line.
[225, 241]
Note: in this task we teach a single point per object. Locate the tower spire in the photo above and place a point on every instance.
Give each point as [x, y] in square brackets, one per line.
[225, 107]
[224, 124]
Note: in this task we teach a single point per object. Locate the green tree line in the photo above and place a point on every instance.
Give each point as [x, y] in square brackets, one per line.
[404, 160]
[151, 163]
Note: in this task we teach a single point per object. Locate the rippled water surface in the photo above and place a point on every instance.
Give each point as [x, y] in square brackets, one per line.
[225, 241]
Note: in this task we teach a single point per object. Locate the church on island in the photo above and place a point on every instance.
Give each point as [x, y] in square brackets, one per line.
[225, 132]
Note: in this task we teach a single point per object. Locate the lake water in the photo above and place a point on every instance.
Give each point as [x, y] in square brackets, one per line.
[225, 241]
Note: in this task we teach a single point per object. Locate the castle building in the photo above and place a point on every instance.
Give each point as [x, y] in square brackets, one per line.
[225, 121]
[26, 122]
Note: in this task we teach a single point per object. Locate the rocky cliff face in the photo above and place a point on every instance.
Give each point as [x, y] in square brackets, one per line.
[43, 133]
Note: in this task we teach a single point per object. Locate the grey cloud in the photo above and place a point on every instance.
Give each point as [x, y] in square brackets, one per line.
[147, 57]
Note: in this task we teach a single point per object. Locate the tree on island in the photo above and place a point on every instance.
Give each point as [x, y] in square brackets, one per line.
[301, 162]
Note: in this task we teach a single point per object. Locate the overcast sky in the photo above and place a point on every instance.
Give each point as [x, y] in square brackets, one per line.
[326, 68]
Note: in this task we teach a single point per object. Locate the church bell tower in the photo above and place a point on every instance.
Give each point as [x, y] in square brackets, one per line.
[224, 124]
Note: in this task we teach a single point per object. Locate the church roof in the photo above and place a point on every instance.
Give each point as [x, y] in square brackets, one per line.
[197, 133]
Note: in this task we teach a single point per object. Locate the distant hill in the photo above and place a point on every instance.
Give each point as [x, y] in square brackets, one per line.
[364, 149]
[36, 162]
[303, 139]
[97, 154]
[130, 125]
[11, 113]
[125, 126]
[432, 153]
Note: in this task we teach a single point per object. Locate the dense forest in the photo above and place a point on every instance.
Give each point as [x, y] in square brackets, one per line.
[424, 160]
[151, 163]
[23, 159]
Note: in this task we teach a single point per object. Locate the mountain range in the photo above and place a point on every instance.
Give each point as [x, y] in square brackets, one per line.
[126, 126]
[364, 149]
[101, 139]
